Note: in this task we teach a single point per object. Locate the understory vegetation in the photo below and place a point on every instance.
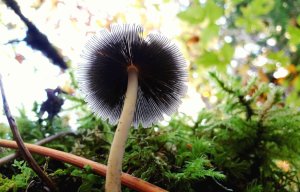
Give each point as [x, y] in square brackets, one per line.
[248, 142]
[246, 137]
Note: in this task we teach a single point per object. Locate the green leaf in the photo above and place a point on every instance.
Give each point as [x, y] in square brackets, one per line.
[198, 13]
[251, 24]
[261, 7]
[85, 187]
[294, 33]
[208, 59]
[60, 172]
[251, 19]
[258, 8]
[217, 58]
[77, 173]
[213, 11]
[210, 32]
[280, 57]
[22, 180]
[194, 14]
[226, 53]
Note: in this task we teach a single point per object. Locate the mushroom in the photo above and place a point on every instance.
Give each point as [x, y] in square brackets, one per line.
[130, 80]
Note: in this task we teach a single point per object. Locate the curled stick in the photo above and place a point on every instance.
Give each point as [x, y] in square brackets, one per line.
[126, 179]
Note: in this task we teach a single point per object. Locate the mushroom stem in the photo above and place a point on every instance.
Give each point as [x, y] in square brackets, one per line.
[115, 159]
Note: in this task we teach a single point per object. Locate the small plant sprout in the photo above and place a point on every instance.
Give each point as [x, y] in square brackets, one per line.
[130, 80]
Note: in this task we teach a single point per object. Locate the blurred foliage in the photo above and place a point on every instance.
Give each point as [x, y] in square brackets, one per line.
[248, 139]
[246, 38]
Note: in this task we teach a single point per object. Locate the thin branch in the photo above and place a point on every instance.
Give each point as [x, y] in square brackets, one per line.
[126, 179]
[11, 157]
[22, 148]
[36, 39]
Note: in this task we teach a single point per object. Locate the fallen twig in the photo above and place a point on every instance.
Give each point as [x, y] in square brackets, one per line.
[126, 179]
[11, 157]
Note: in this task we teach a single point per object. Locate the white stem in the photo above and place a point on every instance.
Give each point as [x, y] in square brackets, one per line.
[115, 159]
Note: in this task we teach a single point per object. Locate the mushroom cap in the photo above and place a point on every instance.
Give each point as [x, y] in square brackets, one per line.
[103, 75]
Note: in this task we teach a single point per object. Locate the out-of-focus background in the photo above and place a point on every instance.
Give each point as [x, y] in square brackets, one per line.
[251, 48]
[237, 37]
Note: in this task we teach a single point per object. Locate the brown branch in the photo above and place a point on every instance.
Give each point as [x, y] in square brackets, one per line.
[11, 157]
[22, 148]
[126, 179]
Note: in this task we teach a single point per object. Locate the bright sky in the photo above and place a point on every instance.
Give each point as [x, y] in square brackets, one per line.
[68, 27]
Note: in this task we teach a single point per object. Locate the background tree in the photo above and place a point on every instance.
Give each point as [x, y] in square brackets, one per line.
[241, 132]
